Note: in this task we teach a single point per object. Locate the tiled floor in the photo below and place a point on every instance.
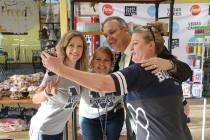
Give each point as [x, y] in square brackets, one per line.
[196, 116]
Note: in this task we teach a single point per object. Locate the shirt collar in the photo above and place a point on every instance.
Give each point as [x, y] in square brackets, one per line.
[127, 51]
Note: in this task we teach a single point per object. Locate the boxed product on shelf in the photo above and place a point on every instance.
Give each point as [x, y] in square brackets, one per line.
[88, 27]
[194, 55]
[197, 90]
[186, 88]
[194, 90]
[198, 59]
[197, 75]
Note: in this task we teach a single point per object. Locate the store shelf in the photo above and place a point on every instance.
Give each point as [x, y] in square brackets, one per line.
[155, 2]
[92, 33]
[23, 135]
[14, 135]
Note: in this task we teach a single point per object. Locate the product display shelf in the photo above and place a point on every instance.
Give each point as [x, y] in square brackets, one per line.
[155, 2]
[16, 134]
[198, 59]
[23, 135]
[92, 33]
[8, 101]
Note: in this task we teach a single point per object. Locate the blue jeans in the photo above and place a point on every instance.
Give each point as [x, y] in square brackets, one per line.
[51, 137]
[91, 128]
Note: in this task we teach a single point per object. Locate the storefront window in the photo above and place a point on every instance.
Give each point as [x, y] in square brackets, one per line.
[27, 26]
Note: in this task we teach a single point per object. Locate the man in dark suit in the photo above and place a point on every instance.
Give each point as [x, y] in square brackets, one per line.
[118, 36]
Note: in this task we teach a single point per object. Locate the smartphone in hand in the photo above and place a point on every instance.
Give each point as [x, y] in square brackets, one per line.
[52, 52]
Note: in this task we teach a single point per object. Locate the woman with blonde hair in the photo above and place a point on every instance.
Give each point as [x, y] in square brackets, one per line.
[57, 95]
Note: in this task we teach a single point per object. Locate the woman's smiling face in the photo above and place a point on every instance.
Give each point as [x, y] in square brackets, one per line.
[102, 63]
[74, 49]
[140, 49]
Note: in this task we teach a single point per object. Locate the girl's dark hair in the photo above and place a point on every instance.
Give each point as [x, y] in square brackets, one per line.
[104, 50]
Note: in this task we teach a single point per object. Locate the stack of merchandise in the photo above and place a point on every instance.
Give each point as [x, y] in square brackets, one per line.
[15, 118]
[19, 86]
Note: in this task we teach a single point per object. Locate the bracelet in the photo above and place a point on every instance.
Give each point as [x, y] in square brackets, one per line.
[47, 94]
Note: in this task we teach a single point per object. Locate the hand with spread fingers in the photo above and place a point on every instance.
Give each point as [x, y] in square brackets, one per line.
[156, 64]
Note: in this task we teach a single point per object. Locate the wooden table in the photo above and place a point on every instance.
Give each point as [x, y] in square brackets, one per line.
[22, 135]
[8, 101]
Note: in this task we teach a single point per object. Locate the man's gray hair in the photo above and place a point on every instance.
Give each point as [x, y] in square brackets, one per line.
[122, 22]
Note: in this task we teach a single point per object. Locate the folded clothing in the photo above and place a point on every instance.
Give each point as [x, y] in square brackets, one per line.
[11, 124]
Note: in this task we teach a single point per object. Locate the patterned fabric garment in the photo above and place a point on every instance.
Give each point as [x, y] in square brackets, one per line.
[94, 104]
[73, 99]
[101, 100]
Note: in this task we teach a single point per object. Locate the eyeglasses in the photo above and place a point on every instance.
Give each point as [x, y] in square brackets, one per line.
[147, 28]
